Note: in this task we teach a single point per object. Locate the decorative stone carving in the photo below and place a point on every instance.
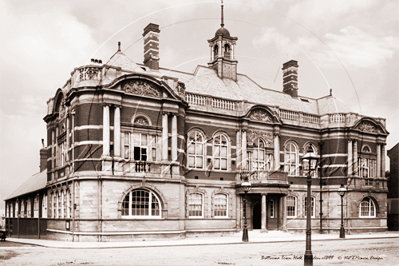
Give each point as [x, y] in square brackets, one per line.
[140, 87]
[267, 137]
[260, 115]
[90, 73]
[366, 126]
[141, 121]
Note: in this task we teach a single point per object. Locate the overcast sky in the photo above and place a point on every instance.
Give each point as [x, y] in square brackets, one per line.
[349, 46]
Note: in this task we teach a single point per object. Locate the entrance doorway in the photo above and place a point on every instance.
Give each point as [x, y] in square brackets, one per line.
[257, 216]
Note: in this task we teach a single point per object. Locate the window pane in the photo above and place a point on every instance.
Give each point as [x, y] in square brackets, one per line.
[137, 153]
[199, 163]
[198, 149]
[224, 164]
[223, 152]
[143, 140]
[216, 163]
[136, 139]
[216, 151]
[191, 161]
[191, 148]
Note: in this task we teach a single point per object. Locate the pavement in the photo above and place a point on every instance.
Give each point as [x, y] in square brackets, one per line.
[255, 237]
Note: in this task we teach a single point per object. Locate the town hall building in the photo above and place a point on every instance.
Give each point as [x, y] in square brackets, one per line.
[137, 151]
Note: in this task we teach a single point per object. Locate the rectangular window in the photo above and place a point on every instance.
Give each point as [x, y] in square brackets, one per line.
[312, 212]
[126, 145]
[195, 205]
[220, 205]
[291, 207]
[271, 208]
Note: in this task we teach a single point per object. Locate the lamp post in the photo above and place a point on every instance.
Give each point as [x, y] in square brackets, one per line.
[246, 186]
[341, 192]
[310, 158]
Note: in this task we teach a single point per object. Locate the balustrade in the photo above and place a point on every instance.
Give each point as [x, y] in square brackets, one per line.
[90, 73]
[337, 118]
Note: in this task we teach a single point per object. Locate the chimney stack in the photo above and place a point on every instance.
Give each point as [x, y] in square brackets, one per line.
[151, 46]
[290, 78]
[43, 157]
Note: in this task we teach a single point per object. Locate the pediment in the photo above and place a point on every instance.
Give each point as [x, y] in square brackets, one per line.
[369, 127]
[142, 88]
[260, 115]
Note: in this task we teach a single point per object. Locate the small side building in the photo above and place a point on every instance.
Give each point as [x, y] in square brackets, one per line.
[393, 189]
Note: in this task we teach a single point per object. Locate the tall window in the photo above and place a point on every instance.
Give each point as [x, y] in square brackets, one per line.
[44, 206]
[271, 208]
[367, 208]
[312, 208]
[291, 165]
[195, 205]
[195, 150]
[144, 146]
[220, 205]
[260, 159]
[28, 208]
[141, 203]
[291, 207]
[367, 167]
[220, 152]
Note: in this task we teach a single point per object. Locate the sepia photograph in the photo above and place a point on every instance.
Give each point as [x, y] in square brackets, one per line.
[191, 132]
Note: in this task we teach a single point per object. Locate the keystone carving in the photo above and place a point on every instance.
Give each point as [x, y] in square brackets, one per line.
[267, 137]
[368, 127]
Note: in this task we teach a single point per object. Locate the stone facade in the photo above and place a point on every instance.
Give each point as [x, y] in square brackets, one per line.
[137, 151]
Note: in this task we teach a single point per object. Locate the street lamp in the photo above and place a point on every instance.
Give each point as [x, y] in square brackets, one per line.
[246, 186]
[341, 192]
[310, 158]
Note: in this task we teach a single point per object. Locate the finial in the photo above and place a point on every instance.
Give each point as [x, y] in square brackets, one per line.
[43, 143]
[222, 24]
[331, 92]
[119, 46]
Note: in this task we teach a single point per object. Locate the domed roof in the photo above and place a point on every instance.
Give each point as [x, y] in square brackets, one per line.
[222, 31]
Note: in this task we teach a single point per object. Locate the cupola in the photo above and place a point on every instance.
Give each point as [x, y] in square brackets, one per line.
[222, 52]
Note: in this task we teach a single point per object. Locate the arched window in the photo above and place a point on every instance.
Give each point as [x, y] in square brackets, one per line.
[220, 205]
[28, 208]
[312, 209]
[215, 51]
[22, 208]
[260, 159]
[227, 51]
[195, 205]
[367, 208]
[220, 146]
[291, 207]
[291, 165]
[195, 150]
[367, 164]
[16, 208]
[141, 203]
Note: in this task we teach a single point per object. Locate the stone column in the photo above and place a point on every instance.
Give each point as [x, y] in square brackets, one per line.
[165, 137]
[232, 52]
[220, 49]
[264, 214]
[174, 137]
[238, 150]
[350, 160]
[117, 132]
[355, 159]
[106, 131]
[276, 152]
[378, 174]
[383, 160]
[244, 150]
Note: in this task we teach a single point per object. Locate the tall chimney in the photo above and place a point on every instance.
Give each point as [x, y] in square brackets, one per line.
[151, 46]
[43, 158]
[290, 78]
